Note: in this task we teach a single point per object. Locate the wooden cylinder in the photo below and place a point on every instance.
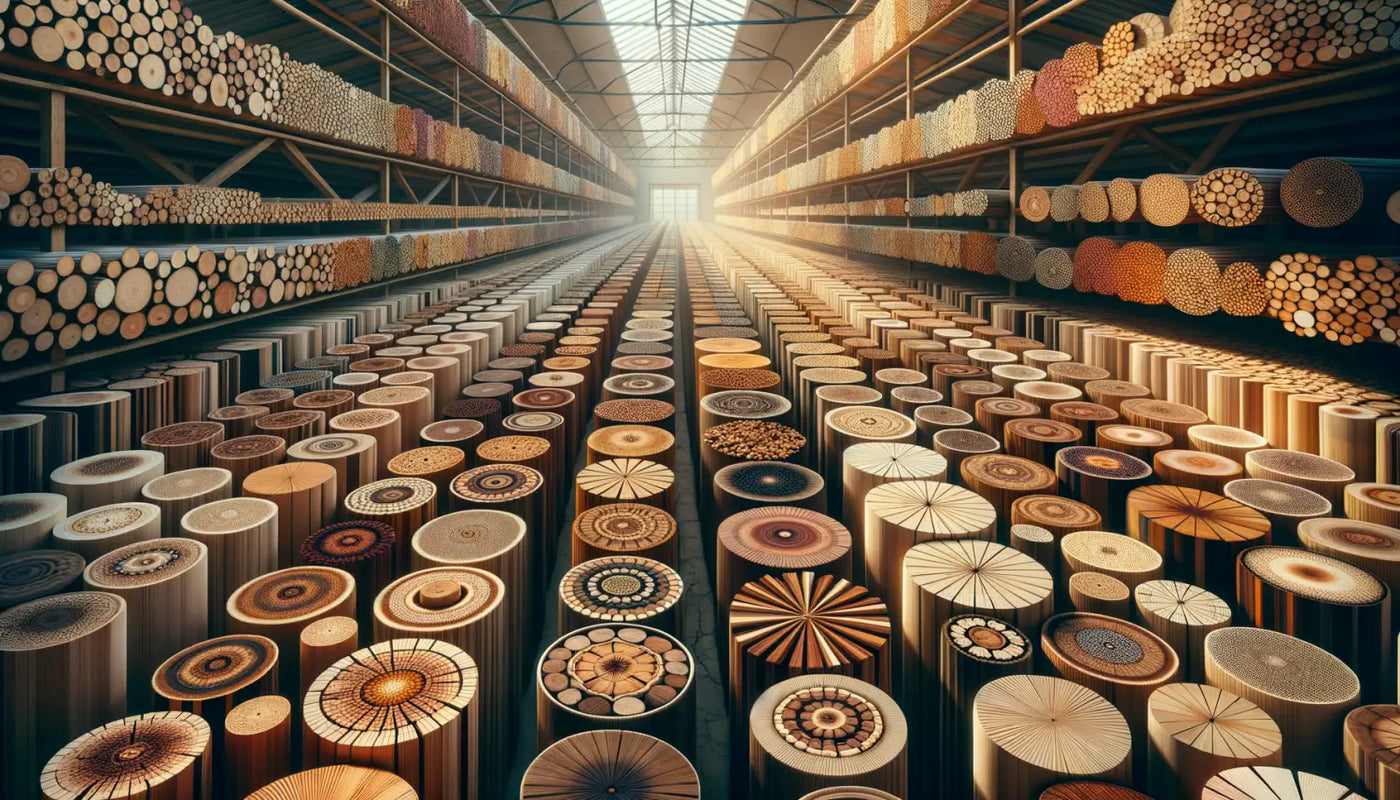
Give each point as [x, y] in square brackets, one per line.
[608, 762]
[813, 731]
[257, 743]
[1114, 554]
[22, 443]
[404, 504]
[721, 407]
[248, 454]
[324, 642]
[178, 493]
[959, 444]
[384, 424]
[102, 421]
[240, 536]
[1173, 419]
[165, 583]
[1087, 417]
[1366, 740]
[1096, 593]
[1182, 615]
[1038, 439]
[1002, 479]
[1262, 666]
[364, 548]
[274, 400]
[101, 530]
[869, 464]
[1197, 470]
[185, 445]
[1222, 440]
[1199, 534]
[1122, 662]
[1100, 478]
[1325, 601]
[940, 580]
[1030, 731]
[651, 690]
[618, 590]
[414, 405]
[292, 426]
[377, 687]
[1377, 503]
[78, 633]
[27, 520]
[304, 493]
[103, 479]
[177, 753]
[1196, 731]
[1140, 443]
[280, 604]
[974, 650]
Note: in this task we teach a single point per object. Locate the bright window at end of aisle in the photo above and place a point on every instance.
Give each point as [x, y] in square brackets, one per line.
[675, 202]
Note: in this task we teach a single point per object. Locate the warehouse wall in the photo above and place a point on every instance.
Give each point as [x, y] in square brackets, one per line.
[696, 175]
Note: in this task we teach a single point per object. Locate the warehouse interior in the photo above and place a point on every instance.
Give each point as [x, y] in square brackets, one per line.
[753, 399]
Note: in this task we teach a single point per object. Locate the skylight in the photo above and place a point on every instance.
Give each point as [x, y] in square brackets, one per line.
[672, 64]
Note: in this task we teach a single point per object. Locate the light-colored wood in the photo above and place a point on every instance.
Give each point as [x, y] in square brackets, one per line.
[1261, 666]
[178, 493]
[280, 604]
[1032, 730]
[1368, 736]
[1182, 615]
[869, 464]
[41, 714]
[27, 520]
[105, 478]
[177, 746]
[427, 739]
[304, 493]
[1195, 731]
[101, 530]
[1263, 783]
[258, 744]
[240, 537]
[610, 762]
[322, 643]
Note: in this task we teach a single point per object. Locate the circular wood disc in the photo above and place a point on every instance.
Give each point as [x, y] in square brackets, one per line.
[338, 782]
[825, 623]
[1196, 469]
[396, 691]
[1374, 548]
[216, 668]
[1374, 502]
[639, 384]
[291, 595]
[746, 404]
[930, 509]
[775, 482]
[626, 480]
[602, 671]
[977, 575]
[784, 537]
[346, 544]
[640, 411]
[1099, 648]
[1174, 419]
[1268, 783]
[621, 589]
[1182, 615]
[631, 441]
[1059, 515]
[624, 528]
[131, 757]
[1047, 726]
[1198, 533]
[26, 520]
[823, 727]
[391, 496]
[145, 563]
[1099, 462]
[1310, 575]
[497, 483]
[1091, 790]
[118, 522]
[610, 763]
[33, 574]
[468, 537]
[104, 475]
[870, 423]
[1285, 505]
[431, 601]
[1322, 475]
[895, 461]
[57, 620]
[1122, 557]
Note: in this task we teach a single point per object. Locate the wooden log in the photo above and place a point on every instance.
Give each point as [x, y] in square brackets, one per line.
[185, 445]
[280, 604]
[1196, 470]
[324, 642]
[42, 714]
[1182, 615]
[435, 716]
[178, 493]
[1347, 435]
[1100, 478]
[1022, 726]
[177, 746]
[625, 529]
[866, 465]
[1197, 731]
[91, 534]
[804, 734]
[626, 480]
[1002, 479]
[106, 478]
[1258, 783]
[491, 540]
[33, 574]
[1199, 534]
[652, 692]
[1323, 600]
[612, 762]
[102, 418]
[165, 583]
[304, 493]
[366, 549]
[240, 537]
[257, 736]
[940, 580]
[750, 484]
[1365, 738]
[1096, 593]
[775, 539]
[247, 454]
[384, 424]
[1173, 419]
[353, 456]
[27, 520]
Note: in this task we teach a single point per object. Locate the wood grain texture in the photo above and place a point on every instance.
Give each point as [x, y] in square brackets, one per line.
[610, 762]
[1195, 731]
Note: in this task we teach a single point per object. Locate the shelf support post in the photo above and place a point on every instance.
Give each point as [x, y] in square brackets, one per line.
[53, 152]
[385, 41]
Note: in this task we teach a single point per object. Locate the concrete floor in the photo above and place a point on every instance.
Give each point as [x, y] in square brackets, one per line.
[712, 720]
